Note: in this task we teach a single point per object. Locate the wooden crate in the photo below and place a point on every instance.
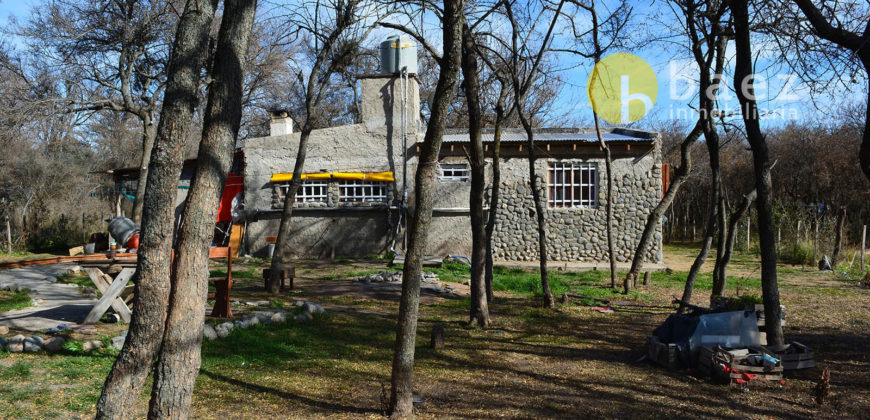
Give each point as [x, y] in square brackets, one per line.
[710, 359]
[665, 354]
[795, 356]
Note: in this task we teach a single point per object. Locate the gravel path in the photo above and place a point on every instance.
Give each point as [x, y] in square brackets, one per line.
[54, 303]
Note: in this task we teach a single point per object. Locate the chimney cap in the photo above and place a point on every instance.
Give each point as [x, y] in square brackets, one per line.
[278, 113]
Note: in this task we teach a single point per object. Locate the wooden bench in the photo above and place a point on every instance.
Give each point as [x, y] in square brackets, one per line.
[222, 285]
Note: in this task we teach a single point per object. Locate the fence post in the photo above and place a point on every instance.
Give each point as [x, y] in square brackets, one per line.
[816, 242]
[863, 246]
[8, 236]
[748, 224]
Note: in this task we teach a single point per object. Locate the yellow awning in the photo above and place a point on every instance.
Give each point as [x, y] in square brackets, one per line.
[360, 176]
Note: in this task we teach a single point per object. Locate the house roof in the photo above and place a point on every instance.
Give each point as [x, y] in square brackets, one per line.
[556, 135]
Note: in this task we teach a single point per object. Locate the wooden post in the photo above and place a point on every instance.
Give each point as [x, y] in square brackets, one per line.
[863, 246]
[748, 224]
[816, 243]
[9, 236]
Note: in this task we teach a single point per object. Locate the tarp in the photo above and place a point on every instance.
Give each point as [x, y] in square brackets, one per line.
[691, 332]
[234, 186]
[360, 176]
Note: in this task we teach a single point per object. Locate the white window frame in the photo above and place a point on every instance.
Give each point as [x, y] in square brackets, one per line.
[311, 191]
[574, 192]
[357, 191]
[453, 172]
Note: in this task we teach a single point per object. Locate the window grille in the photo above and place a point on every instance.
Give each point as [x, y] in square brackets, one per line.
[573, 185]
[363, 191]
[453, 172]
[308, 192]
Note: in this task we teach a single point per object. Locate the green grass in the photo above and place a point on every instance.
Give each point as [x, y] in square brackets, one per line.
[250, 273]
[19, 370]
[82, 280]
[14, 300]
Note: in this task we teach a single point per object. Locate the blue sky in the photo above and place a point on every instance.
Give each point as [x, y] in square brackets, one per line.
[573, 103]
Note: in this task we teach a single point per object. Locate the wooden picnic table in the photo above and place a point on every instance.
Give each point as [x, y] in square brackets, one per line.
[111, 287]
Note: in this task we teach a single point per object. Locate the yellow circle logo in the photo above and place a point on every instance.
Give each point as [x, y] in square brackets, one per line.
[622, 88]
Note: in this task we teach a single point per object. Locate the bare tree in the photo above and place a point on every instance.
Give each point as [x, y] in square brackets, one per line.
[479, 311]
[133, 364]
[525, 63]
[720, 277]
[706, 26]
[179, 359]
[401, 394]
[336, 29]
[118, 51]
[761, 162]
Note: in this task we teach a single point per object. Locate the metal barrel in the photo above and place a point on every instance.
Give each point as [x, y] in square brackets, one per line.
[122, 229]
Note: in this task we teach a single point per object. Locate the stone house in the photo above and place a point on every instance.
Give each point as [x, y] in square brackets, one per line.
[351, 202]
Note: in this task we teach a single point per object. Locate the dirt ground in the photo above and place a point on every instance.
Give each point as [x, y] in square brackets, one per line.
[532, 363]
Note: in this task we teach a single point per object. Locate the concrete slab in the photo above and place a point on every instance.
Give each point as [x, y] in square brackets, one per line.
[60, 303]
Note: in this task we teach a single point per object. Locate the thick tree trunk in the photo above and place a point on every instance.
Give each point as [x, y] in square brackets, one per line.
[838, 237]
[401, 393]
[179, 360]
[761, 161]
[720, 279]
[479, 312]
[149, 134]
[652, 221]
[549, 302]
[131, 368]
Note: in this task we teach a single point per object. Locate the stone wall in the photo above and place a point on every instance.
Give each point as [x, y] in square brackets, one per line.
[577, 234]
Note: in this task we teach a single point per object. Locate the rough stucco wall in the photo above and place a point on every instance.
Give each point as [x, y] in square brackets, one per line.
[578, 234]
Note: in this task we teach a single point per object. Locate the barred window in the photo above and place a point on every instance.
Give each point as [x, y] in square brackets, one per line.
[572, 185]
[362, 191]
[308, 192]
[453, 172]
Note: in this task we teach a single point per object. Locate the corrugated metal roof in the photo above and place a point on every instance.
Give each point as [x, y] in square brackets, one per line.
[544, 137]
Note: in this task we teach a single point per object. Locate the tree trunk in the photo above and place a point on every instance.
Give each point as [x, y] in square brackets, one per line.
[496, 190]
[179, 359]
[838, 237]
[721, 235]
[611, 247]
[479, 312]
[401, 393]
[549, 302]
[652, 221]
[709, 230]
[148, 137]
[761, 162]
[133, 364]
[722, 266]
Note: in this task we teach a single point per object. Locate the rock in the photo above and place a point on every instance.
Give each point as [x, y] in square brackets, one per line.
[279, 317]
[75, 269]
[304, 317]
[4, 330]
[825, 264]
[51, 279]
[264, 317]
[312, 308]
[92, 345]
[209, 333]
[33, 344]
[224, 330]
[54, 344]
[247, 322]
[299, 303]
[3, 343]
[16, 344]
[118, 342]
